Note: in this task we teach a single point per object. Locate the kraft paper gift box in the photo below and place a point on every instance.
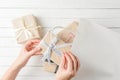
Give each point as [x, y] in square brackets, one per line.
[68, 33]
[50, 67]
[26, 28]
[52, 47]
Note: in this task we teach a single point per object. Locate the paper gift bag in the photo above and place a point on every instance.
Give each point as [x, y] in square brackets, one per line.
[52, 47]
[68, 33]
[26, 28]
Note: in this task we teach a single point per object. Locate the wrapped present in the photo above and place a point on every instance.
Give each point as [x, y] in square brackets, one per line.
[52, 47]
[26, 28]
[68, 33]
[50, 67]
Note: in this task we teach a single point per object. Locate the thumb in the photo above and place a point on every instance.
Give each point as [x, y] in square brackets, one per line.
[62, 64]
[35, 50]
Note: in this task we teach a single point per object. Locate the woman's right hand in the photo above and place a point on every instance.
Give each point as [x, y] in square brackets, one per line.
[68, 67]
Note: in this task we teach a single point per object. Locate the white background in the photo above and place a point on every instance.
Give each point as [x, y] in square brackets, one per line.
[50, 13]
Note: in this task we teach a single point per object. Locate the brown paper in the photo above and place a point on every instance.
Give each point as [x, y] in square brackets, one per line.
[50, 67]
[54, 56]
[68, 34]
[27, 22]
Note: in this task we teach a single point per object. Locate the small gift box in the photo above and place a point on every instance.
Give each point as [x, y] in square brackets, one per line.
[26, 28]
[68, 33]
[53, 47]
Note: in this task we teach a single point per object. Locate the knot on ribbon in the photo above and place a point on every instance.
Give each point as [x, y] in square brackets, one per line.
[52, 47]
[26, 31]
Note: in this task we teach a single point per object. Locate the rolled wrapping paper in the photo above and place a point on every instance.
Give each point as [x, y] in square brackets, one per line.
[26, 28]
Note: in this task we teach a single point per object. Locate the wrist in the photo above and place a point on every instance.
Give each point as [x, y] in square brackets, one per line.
[15, 67]
[63, 79]
[20, 61]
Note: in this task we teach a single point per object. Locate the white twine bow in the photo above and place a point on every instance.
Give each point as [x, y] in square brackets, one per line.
[26, 31]
[52, 47]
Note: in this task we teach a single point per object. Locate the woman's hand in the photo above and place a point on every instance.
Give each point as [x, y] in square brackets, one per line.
[29, 49]
[68, 67]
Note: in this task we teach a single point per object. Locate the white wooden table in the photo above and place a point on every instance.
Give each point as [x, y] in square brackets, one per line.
[50, 13]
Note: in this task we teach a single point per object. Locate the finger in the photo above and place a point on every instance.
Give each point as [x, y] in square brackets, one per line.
[34, 45]
[31, 42]
[69, 62]
[35, 50]
[38, 53]
[74, 61]
[62, 64]
[78, 64]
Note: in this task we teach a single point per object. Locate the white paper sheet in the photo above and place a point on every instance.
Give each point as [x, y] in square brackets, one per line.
[98, 49]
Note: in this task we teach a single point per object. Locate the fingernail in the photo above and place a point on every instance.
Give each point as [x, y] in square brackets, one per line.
[40, 49]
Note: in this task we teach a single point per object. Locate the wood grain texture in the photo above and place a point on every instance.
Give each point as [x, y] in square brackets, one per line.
[50, 13]
[62, 13]
[60, 4]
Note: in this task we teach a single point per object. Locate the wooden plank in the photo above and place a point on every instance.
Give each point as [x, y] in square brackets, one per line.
[29, 71]
[52, 22]
[62, 13]
[60, 4]
[45, 77]
[10, 32]
[9, 51]
[44, 22]
[8, 42]
[7, 32]
[35, 61]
